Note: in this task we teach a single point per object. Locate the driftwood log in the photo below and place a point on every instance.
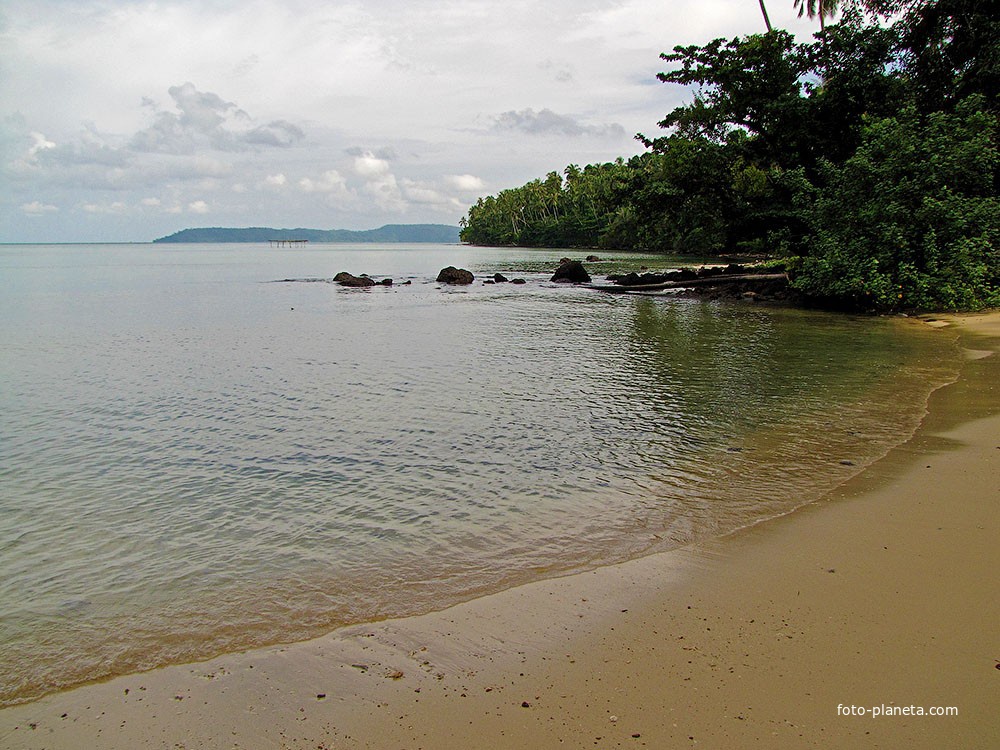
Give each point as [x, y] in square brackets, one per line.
[717, 280]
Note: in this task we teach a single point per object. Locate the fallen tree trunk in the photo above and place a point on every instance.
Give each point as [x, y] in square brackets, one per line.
[719, 280]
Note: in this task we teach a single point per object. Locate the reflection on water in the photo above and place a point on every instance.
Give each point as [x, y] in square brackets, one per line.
[195, 459]
[788, 404]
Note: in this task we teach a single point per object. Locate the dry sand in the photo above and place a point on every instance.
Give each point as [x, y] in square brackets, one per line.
[883, 594]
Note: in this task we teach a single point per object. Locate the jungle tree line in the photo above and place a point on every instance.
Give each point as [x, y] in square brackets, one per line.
[868, 158]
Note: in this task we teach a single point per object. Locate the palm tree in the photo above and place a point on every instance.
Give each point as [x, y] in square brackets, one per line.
[767, 21]
[812, 8]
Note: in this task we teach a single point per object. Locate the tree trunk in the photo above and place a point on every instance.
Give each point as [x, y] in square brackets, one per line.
[719, 280]
[767, 21]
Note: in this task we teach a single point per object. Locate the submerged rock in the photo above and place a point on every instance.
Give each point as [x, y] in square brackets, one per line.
[452, 275]
[626, 279]
[571, 272]
[499, 278]
[346, 279]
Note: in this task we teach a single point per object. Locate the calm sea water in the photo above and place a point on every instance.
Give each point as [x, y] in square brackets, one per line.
[207, 447]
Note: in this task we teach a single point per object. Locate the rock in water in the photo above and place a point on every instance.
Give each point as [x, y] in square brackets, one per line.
[346, 279]
[452, 275]
[571, 272]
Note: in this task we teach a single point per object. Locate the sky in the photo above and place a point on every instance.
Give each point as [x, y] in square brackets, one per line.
[126, 121]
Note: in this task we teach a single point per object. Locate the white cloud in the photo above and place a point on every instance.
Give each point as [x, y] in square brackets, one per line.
[25, 149]
[423, 194]
[37, 208]
[198, 207]
[417, 192]
[151, 202]
[379, 183]
[275, 180]
[330, 181]
[369, 166]
[117, 208]
[385, 191]
[40, 144]
[467, 183]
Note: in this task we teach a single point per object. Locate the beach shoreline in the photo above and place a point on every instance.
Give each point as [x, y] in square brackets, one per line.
[878, 595]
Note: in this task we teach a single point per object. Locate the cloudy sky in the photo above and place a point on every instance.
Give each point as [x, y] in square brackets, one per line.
[126, 121]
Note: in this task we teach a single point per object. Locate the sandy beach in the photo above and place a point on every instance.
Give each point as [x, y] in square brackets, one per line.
[880, 596]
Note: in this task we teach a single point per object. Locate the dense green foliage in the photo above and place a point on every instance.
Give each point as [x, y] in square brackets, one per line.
[867, 157]
[911, 219]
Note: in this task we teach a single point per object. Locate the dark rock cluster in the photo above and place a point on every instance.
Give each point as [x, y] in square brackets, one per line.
[775, 291]
[452, 275]
[571, 272]
[346, 279]
[686, 274]
[734, 281]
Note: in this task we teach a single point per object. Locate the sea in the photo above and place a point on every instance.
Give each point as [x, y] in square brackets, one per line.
[210, 448]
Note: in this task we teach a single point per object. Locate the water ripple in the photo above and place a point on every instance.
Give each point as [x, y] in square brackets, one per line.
[180, 481]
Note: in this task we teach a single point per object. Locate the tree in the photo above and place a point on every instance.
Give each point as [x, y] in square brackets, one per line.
[767, 21]
[911, 220]
[951, 50]
[822, 8]
[752, 84]
[859, 65]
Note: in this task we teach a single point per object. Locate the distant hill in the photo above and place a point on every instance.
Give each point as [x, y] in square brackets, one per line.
[389, 233]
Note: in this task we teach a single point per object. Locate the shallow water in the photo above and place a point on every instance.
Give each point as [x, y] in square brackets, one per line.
[197, 455]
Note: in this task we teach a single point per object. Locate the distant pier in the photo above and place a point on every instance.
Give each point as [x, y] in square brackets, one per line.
[283, 243]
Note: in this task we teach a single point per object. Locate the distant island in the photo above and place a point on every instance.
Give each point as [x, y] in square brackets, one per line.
[441, 233]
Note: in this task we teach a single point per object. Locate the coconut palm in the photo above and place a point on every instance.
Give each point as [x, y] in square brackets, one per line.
[812, 8]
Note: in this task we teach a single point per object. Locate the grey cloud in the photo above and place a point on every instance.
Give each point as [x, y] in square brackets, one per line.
[31, 158]
[546, 122]
[561, 73]
[386, 153]
[164, 136]
[278, 133]
[83, 153]
[206, 120]
[199, 122]
[201, 110]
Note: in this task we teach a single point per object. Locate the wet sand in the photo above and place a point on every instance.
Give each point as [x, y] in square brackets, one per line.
[881, 594]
